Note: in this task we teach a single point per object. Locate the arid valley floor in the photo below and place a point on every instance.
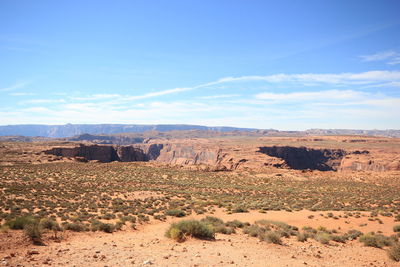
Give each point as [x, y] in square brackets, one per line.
[271, 201]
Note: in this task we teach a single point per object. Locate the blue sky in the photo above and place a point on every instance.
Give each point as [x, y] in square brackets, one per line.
[288, 65]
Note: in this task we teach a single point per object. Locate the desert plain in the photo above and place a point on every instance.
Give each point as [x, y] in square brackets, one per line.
[257, 200]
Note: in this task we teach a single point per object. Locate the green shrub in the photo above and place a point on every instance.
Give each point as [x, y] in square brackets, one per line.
[176, 234]
[394, 252]
[271, 237]
[396, 228]
[373, 240]
[191, 228]
[49, 224]
[175, 213]
[302, 237]
[235, 224]
[33, 230]
[106, 227]
[339, 238]
[253, 230]
[239, 209]
[20, 222]
[76, 227]
[323, 237]
[353, 234]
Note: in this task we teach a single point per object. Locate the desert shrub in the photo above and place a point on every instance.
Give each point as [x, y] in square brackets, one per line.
[106, 227]
[239, 209]
[175, 213]
[373, 240]
[271, 237]
[33, 230]
[221, 228]
[76, 227]
[394, 252]
[309, 230]
[20, 222]
[235, 224]
[353, 234]
[302, 237]
[212, 220]
[323, 237]
[218, 225]
[339, 238]
[118, 225]
[50, 224]
[253, 230]
[191, 228]
[396, 228]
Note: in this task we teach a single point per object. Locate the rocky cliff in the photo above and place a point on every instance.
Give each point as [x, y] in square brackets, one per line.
[209, 156]
[302, 158]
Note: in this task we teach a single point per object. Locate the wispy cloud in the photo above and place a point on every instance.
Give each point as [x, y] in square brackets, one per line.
[391, 57]
[307, 79]
[303, 96]
[219, 96]
[14, 86]
[21, 94]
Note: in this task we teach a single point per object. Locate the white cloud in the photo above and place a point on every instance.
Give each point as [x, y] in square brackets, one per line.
[21, 94]
[218, 96]
[306, 79]
[303, 96]
[14, 86]
[391, 57]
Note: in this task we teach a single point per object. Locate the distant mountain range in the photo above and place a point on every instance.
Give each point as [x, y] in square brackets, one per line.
[69, 130]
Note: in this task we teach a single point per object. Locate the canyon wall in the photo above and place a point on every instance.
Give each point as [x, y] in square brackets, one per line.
[213, 157]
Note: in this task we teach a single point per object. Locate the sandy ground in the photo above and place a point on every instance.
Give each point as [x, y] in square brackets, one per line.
[148, 246]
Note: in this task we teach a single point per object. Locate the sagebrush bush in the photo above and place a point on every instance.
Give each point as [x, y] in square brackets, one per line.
[20, 222]
[253, 230]
[353, 234]
[396, 228]
[175, 213]
[394, 252]
[302, 237]
[339, 238]
[373, 240]
[271, 237]
[192, 228]
[33, 230]
[323, 237]
[218, 225]
[76, 227]
[235, 224]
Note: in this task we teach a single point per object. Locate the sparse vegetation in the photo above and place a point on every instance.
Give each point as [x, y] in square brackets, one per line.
[190, 228]
[375, 240]
[394, 251]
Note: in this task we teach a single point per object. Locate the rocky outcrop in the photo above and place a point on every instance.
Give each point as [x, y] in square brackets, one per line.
[303, 158]
[90, 152]
[216, 157]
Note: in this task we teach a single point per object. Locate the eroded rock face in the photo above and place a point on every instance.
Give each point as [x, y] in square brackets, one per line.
[213, 157]
[302, 158]
[90, 152]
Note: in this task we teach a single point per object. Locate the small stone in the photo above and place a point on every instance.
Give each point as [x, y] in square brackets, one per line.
[197, 255]
[95, 256]
[148, 262]
[32, 252]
